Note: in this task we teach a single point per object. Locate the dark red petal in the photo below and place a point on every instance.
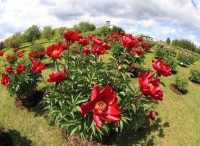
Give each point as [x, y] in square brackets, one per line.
[86, 108]
[155, 82]
[97, 120]
[110, 96]
[110, 118]
[112, 110]
[95, 92]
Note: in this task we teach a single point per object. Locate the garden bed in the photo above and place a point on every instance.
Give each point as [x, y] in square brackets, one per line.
[30, 101]
[177, 91]
[5, 138]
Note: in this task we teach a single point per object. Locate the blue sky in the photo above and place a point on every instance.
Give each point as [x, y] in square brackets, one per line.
[157, 18]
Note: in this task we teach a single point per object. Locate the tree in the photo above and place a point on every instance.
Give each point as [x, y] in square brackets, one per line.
[14, 41]
[168, 41]
[59, 33]
[117, 29]
[103, 31]
[84, 27]
[2, 45]
[47, 33]
[32, 34]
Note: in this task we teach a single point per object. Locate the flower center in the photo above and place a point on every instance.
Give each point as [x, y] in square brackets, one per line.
[150, 85]
[101, 105]
[55, 53]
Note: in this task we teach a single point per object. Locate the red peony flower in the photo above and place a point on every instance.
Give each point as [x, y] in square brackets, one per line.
[97, 41]
[5, 79]
[138, 51]
[83, 42]
[1, 53]
[104, 105]
[98, 50]
[57, 76]
[9, 69]
[86, 51]
[55, 50]
[140, 38]
[134, 67]
[146, 46]
[37, 66]
[9, 57]
[127, 42]
[161, 67]
[71, 35]
[149, 86]
[20, 68]
[15, 50]
[41, 53]
[106, 46]
[20, 54]
[31, 54]
[152, 115]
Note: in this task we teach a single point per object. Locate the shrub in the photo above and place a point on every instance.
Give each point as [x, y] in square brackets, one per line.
[195, 75]
[172, 63]
[22, 76]
[181, 83]
[39, 51]
[159, 53]
[186, 59]
[90, 97]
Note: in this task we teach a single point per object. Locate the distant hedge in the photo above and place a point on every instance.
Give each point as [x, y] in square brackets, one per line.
[186, 44]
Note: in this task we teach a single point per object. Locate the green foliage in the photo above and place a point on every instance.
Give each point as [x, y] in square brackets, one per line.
[2, 45]
[186, 44]
[181, 83]
[168, 41]
[23, 83]
[63, 99]
[102, 31]
[186, 59]
[172, 63]
[59, 33]
[195, 75]
[117, 29]
[84, 27]
[48, 33]
[14, 41]
[32, 34]
[35, 48]
[159, 53]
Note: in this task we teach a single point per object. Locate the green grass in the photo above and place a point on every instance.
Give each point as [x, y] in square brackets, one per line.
[177, 120]
[177, 115]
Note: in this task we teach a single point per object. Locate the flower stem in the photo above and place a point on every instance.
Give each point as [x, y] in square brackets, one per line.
[56, 64]
[133, 102]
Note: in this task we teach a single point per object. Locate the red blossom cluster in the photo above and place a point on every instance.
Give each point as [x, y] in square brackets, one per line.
[104, 105]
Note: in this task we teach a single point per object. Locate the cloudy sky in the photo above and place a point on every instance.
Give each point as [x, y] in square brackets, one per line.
[157, 18]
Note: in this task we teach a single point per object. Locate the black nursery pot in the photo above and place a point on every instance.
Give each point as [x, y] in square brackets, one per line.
[5, 138]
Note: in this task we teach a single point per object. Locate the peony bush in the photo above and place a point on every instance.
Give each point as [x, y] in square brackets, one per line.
[22, 73]
[91, 97]
[87, 95]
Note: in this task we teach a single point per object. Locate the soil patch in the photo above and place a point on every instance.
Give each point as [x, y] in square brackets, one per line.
[77, 141]
[5, 138]
[29, 101]
[177, 91]
[198, 84]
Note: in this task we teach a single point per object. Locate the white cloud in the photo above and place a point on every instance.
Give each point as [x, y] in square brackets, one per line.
[161, 18]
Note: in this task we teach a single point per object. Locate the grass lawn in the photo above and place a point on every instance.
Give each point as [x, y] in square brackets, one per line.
[177, 120]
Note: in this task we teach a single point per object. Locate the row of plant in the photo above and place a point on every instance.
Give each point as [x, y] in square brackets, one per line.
[84, 94]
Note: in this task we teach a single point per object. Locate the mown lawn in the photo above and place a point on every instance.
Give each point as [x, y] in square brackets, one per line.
[177, 118]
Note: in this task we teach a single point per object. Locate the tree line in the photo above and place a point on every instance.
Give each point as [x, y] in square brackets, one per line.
[34, 33]
[185, 44]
